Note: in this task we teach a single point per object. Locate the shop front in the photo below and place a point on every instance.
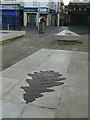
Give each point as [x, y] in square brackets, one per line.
[31, 16]
[53, 17]
[10, 16]
[78, 14]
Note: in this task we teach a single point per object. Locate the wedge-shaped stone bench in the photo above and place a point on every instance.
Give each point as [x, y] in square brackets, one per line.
[67, 36]
[10, 35]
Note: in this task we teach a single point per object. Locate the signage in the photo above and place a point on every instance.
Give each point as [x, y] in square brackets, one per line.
[35, 10]
[9, 7]
[43, 10]
[30, 9]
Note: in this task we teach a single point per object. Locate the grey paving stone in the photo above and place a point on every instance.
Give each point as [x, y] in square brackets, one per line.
[57, 61]
[79, 64]
[14, 73]
[76, 80]
[8, 84]
[33, 61]
[74, 101]
[11, 109]
[70, 113]
[16, 94]
[37, 112]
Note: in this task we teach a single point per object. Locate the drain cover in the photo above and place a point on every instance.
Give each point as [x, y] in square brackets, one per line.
[40, 83]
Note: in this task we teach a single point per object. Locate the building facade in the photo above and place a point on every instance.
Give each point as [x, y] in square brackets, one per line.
[79, 13]
[12, 13]
[33, 10]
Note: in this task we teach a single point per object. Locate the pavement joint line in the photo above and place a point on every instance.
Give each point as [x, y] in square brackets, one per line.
[68, 69]
[47, 107]
[38, 107]
[13, 101]
[12, 88]
[60, 96]
[17, 102]
[22, 111]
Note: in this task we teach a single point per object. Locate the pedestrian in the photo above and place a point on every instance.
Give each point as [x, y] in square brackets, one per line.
[42, 20]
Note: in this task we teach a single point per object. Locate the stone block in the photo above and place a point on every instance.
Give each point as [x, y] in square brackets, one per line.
[67, 36]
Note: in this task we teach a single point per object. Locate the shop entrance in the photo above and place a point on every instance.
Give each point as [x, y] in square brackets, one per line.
[31, 19]
[45, 17]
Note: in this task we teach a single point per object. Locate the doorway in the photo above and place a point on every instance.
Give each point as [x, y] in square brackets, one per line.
[31, 19]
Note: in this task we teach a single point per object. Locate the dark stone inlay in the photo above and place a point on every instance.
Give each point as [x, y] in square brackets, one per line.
[68, 33]
[40, 83]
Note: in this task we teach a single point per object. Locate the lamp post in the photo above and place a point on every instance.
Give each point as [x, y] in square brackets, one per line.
[38, 14]
[58, 21]
[16, 15]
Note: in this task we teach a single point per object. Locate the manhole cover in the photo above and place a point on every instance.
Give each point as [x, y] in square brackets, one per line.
[40, 83]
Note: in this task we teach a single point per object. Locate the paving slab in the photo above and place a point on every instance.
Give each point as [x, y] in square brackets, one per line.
[10, 35]
[14, 73]
[34, 60]
[67, 36]
[8, 84]
[11, 109]
[76, 80]
[74, 103]
[57, 61]
[79, 64]
[16, 94]
[78, 70]
[32, 111]
[70, 113]
[72, 95]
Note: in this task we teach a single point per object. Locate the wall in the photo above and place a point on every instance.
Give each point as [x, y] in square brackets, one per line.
[44, 3]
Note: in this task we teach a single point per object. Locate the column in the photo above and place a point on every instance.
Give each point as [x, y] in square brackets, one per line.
[58, 19]
[47, 20]
[25, 19]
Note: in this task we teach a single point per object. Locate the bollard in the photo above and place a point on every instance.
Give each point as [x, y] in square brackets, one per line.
[8, 26]
[41, 28]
